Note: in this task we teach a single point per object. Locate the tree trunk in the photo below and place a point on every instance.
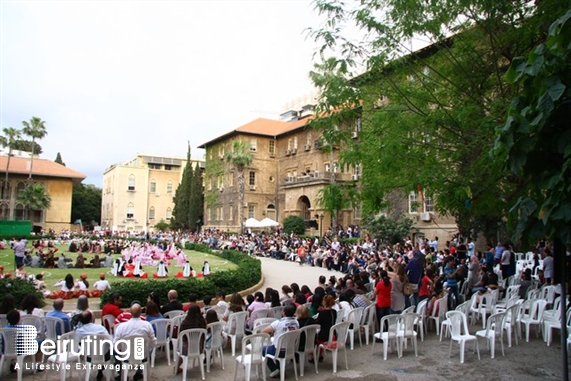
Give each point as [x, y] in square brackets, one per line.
[32, 159]
[241, 199]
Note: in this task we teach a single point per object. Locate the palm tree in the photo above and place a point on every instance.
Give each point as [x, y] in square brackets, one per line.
[241, 158]
[34, 197]
[36, 129]
[10, 136]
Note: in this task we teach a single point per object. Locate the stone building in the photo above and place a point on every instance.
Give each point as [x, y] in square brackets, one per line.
[58, 180]
[138, 193]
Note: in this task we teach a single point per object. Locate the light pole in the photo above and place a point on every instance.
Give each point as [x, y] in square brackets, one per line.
[321, 225]
[197, 226]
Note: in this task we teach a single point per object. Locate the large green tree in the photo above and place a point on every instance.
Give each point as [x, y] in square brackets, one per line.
[36, 129]
[196, 200]
[34, 197]
[26, 146]
[7, 141]
[86, 204]
[59, 160]
[240, 157]
[429, 116]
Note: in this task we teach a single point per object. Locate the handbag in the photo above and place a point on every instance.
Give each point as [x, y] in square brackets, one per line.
[407, 288]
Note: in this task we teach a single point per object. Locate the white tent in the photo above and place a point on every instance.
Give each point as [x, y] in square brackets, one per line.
[268, 223]
[252, 223]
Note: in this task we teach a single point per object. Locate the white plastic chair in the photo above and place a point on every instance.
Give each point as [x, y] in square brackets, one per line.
[62, 358]
[216, 343]
[9, 338]
[459, 333]
[286, 347]
[133, 357]
[219, 311]
[368, 321]
[264, 321]
[550, 324]
[194, 339]
[36, 321]
[439, 312]
[278, 311]
[95, 357]
[3, 321]
[511, 292]
[388, 334]
[493, 331]
[511, 323]
[421, 311]
[236, 323]
[173, 333]
[308, 333]
[445, 326]
[259, 314]
[354, 317]
[338, 331]
[161, 328]
[173, 314]
[405, 331]
[533, 316]
[108, 321]
[253, 357]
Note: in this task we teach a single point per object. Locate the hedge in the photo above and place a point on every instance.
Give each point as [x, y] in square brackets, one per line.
[19, 288]
[248, 273]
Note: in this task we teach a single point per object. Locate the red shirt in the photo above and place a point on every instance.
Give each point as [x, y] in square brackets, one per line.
[423, 289]
[383, 294]
[111, 309]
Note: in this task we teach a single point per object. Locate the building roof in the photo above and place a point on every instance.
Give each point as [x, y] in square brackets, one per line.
[260, 126]
[41, 167]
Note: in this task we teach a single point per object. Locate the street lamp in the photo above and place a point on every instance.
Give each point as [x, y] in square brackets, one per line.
[197, 226]
[321, 225]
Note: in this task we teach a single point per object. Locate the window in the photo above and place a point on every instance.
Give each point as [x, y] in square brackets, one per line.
[358, 170]
[153, 186]
[219, 214]
[252, 179]
[412, 202]
[169, 186]
[231, 179]
[327, 167]
[272, 147]
[169, 213]
[251, 211]
[308, 139]
[131, 185]
[253, 145]
[358, 210]
[130, 211]
[169, 167]
[289, 144]
[154, 166]
[295, 142]
[152, 213]
[210, 184]
[220, 182]
[230, 213]
[19, 212]
[428, 204]
[211, 214]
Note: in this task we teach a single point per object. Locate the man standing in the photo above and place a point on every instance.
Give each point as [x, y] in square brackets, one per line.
[138, 328]
[19, 251]
[287, 323]
[58, 313]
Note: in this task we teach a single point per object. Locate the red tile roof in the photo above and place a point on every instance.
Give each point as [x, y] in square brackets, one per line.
[41, 167]
[261, 126]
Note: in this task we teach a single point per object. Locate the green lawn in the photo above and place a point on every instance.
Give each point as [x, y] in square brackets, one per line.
[51, 276]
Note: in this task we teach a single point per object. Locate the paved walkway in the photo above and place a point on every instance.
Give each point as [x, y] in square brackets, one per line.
[525, 362]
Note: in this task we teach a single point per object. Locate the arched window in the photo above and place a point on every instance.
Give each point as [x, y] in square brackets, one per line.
[131, 185]
[152, 213]
[130, 211]
[169, 187]
[169, 213]
[153, 186]
[19, 212]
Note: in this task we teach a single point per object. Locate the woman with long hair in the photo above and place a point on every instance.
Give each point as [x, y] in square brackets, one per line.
[326, 319]
[31, 306]
[382, 294]
[193, 319]
[397, 291]
[82, 305]
[67, 285]
[83, 286]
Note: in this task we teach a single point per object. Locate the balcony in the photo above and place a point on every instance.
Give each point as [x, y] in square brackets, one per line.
[314, 178]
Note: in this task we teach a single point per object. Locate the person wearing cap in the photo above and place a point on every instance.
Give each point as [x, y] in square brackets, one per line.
[101, 286]
[83, 285]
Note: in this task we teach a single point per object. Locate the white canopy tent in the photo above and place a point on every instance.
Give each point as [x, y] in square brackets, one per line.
[268, 223]
[252, 223]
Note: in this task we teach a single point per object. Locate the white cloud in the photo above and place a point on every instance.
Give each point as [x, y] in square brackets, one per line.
[113, 78]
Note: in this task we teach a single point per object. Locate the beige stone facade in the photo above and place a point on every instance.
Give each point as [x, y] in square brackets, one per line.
[139, 193]
[58, 181]
[289, 168]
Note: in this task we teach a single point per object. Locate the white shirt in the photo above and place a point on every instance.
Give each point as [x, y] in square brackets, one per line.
[136, 327]
[102, 285]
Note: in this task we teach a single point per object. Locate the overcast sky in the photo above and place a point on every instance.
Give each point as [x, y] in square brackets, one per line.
[116, 78]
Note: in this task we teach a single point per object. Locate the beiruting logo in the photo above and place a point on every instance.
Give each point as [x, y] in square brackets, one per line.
[27, 344]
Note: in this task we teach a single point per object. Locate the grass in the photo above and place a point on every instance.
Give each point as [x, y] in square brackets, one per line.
[52, 276]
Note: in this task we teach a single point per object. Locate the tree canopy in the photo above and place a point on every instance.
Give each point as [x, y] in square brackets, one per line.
[86, 204]
[429, 116]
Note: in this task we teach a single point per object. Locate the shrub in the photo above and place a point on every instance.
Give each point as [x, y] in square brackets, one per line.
[19, 289]
[247, 274]
[294, 224]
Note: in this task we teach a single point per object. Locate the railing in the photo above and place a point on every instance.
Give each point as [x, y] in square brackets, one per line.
[315, 177]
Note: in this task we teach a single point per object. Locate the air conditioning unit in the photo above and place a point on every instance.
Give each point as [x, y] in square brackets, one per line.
[307, 147]
[355, 134]
[272, 154]
[318, 144]
[220, 189]
[288, 152]
[425, 216]
[294, 151]
[354, 177]
[252, 187]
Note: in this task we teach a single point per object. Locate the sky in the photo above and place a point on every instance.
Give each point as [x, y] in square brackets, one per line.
[115, 78]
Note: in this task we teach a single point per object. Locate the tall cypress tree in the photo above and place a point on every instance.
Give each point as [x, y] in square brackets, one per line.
[196, 207]
[59, 159]
[181, 199]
